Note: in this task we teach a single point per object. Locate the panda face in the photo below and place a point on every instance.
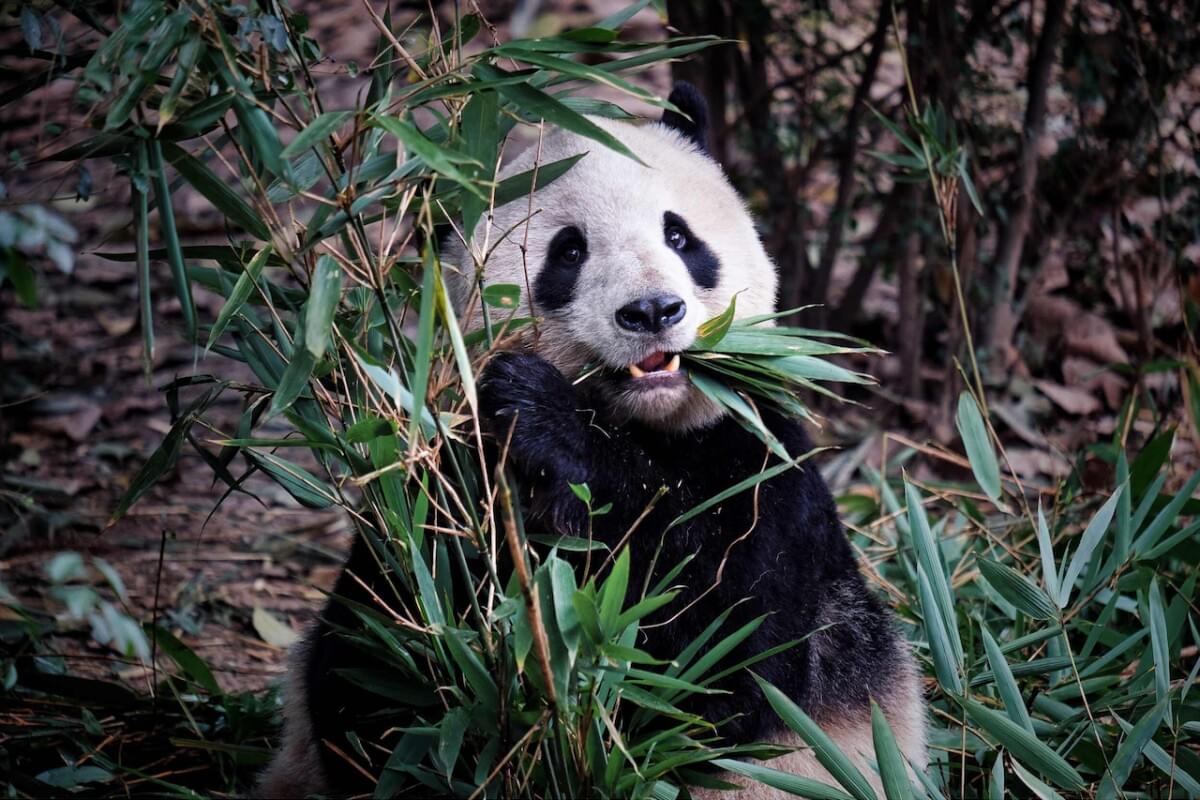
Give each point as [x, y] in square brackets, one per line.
[620, 263]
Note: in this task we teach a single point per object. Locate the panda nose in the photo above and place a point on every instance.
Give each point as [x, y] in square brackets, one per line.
[651, 314]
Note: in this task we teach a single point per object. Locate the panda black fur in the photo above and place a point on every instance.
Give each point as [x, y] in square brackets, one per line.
[614, 237]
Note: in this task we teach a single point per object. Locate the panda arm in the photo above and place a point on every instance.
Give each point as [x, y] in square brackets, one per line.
[535, 415]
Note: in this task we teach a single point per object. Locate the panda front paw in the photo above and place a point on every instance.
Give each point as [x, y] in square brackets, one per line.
[530, 408]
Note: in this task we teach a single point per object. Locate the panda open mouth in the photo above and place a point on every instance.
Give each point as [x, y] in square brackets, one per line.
[657, 367]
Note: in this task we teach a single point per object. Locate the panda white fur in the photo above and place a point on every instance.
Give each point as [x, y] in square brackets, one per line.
[623, 261]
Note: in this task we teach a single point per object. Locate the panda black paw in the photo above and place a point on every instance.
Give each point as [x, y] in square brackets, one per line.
[530, 408]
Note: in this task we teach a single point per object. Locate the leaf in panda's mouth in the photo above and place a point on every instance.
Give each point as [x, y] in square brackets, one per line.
[735, 360]
[656, 362]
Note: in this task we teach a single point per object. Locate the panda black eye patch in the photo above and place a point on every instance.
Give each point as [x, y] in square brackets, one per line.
[555, 284]
[700, 261]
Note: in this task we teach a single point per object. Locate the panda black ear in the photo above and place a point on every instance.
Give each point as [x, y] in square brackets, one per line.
[687, 98]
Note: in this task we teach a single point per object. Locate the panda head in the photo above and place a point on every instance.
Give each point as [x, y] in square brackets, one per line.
[621, 262]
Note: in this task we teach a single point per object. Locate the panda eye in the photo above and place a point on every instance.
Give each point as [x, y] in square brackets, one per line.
[568, 247]
[676, 238]
[571, 255]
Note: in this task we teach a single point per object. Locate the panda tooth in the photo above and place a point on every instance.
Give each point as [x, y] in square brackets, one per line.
[636, 371]
[673, 364]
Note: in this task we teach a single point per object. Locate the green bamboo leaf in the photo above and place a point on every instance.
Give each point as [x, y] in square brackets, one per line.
[1165, 762]
[1014, 704]
[577, 70]
[700, 671]
[1024, 745]
[562, 585]
[190, 53]
[827, 753]
[1046, 550]
[323, 295]
[722, 395]
[216, 191]
[306, 488]
[978, 444]
[462, 358]
[612, 595]
[1159, 645]
[1121, 765]
[540, 105]
[317, 131]
[423, 359]
[617, 19]
[640, 697]
[1088, 543]
[589, 616]
[996, 778]
[166, 219]
[929, 557]
[442, 160]
[1017, 589]
[784, 781]
[1163, 520]
[241, 293]
[294, 380]
[141, 224]
[945, 664]
[160, 462]
[194, 667]
[1124, 537]
[1036, 785]
[473, 670]
[644, 608]
[450, 737]
[480, 130]
[714, 330]
[261, 142]
[892, 770]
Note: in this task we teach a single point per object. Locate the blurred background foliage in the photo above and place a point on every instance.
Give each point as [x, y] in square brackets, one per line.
[1020, 486]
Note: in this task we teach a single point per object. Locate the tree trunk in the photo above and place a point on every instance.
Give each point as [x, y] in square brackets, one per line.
[1002, 324]
[846, 180]
[909, 326]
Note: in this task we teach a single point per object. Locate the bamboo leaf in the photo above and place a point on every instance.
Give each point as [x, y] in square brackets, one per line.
[324, 293]
[712, 331]
[1163, 520]
[1025, 746]
[241, 293]
[216, 191]
[1159, 645]
[166, 218]
[141, 224]
[892, 770]
[1017, 589]
[1088, 543]
[930, 559]
[784, 781]
[1014, 705]
[978, 445]
[826, 752]
[437, 157]
[321, 128]
[540, 105]
[1121, 765]
[1046, 550]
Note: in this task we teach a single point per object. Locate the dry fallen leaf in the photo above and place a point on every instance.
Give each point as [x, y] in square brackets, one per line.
[273, 630]
[1071, 400]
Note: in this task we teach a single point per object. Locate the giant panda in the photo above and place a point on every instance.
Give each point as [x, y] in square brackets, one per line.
[620, 262]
